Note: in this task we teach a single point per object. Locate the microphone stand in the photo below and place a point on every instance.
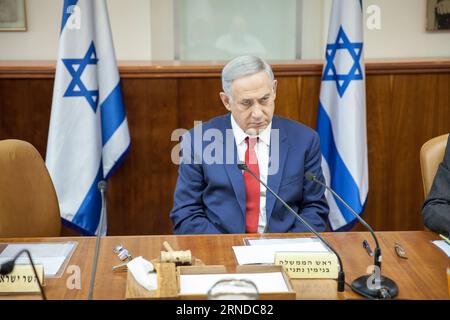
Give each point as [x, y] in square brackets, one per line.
[102, 186]
[384, 287]
[8, 267]
[341, 274]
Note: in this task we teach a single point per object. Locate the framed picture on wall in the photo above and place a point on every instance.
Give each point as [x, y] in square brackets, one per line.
[12, 15]
[438, 15]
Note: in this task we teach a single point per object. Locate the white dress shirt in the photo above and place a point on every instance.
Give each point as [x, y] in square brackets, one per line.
[262, 149]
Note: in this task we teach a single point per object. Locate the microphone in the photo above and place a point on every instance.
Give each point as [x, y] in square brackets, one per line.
[341, 274]
[8, 267]
[102, 186]
[384, 287]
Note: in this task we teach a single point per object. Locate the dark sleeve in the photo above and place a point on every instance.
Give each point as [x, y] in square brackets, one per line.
[314, 207]
[188, 215]
[436, 209]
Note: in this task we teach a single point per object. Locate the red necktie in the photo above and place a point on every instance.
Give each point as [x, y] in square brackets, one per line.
[252, 187]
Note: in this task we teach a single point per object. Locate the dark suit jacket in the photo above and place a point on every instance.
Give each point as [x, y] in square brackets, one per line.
[436, 209]
[210, 198]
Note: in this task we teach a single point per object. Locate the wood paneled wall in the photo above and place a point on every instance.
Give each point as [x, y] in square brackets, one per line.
[408, 102]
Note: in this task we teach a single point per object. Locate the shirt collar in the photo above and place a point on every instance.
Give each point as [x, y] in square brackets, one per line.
[240, 135]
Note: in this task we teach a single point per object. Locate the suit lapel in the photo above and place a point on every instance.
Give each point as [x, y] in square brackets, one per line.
[274, 180]
[234, 174]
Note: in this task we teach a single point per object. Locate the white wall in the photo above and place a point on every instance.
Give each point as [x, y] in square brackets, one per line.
[313, 29]
[402, 33]
[40, 41]
[162, 29]
[142, 30]
[130, 24]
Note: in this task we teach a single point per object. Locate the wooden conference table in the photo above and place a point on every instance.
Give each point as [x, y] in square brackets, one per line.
[422, 276]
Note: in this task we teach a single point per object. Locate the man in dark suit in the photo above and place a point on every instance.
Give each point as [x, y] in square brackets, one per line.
[436, 209]
[213, 195]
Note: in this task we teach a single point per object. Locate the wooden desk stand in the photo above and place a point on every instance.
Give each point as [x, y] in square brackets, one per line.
[167, 284]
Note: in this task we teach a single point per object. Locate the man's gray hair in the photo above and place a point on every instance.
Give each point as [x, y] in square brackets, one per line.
[243, 66]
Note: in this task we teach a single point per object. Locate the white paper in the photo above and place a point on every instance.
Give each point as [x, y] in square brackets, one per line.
[50, 255]
[201, 283]
[265, 254]
[269, 241]
[444, 246]
[142, 271]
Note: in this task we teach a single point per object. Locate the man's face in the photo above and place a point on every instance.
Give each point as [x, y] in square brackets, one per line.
[252, 101]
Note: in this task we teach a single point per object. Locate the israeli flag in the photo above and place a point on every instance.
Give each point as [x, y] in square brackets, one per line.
[88, 136]
[342, 113]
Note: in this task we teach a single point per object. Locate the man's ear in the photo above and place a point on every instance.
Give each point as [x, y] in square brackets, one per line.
[275, 82]
[225, 100]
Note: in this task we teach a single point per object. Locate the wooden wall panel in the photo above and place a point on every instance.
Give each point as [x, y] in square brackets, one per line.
[25, 110]
[141, 189]
[403, 111]
[407, 104]
[309, 88]
[198, 100]
[378, 100]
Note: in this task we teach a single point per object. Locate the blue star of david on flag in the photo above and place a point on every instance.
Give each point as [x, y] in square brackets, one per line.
[355, 73]
[76, 68]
